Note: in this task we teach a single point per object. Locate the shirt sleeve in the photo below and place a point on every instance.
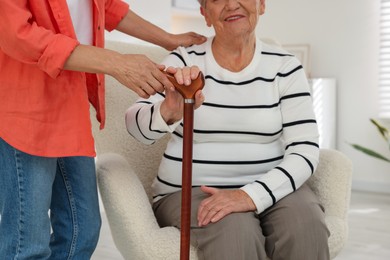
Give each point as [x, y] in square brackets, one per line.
[115, 11]
[24, 40]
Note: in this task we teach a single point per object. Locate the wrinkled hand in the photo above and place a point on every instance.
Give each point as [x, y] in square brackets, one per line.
[185, 40]
[172, 107]
[139, 73]
[221, 203]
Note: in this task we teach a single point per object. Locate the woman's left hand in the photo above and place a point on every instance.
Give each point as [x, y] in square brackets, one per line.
[221, 203]
[172, 107]
[185, 40]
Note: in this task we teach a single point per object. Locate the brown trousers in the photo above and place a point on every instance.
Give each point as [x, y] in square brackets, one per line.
[293, 229]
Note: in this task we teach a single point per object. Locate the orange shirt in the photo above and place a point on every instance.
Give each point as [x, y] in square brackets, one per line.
[44, 110]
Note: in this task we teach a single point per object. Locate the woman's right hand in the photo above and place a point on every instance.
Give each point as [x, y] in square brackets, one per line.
[142, 75]
[135, 71]
[172, 107]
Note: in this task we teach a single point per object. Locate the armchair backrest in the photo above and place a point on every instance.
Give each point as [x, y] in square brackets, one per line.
[114, 137]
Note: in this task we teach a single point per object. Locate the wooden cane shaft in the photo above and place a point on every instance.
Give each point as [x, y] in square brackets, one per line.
[188, 127]
[188, 93]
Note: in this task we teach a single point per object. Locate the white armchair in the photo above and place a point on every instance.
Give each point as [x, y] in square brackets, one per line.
[126, 168]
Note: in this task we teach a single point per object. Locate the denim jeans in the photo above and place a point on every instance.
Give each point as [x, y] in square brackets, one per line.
[49, 207]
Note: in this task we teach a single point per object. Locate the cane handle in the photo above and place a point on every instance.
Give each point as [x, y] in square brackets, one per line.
[188, 92]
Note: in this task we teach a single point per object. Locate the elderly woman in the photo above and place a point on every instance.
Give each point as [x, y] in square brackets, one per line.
[255, 144]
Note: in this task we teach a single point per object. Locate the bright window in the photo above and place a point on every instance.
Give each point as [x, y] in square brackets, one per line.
[384, 70]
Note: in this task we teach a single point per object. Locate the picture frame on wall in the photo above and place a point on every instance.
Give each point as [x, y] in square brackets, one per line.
[302, 52]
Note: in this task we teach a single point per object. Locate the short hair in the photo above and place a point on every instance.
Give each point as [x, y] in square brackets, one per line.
[201, 2]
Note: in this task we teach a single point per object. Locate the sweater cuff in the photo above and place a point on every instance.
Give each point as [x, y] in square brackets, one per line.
[158, 122]
[253, 193]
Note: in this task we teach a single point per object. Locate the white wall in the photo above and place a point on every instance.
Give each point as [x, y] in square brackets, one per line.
[344, 42]
[155, 11]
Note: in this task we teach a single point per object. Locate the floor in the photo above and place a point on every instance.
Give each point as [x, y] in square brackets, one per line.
[369, 231]
[369, 228]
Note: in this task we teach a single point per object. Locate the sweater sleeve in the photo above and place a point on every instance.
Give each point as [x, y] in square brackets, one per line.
[143, 119]
[300, 136]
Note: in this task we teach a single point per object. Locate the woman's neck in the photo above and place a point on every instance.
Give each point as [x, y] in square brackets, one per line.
[233, 54]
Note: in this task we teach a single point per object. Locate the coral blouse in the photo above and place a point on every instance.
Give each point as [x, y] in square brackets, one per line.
[44, 110]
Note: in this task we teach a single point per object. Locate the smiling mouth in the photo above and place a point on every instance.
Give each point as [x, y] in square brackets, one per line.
[233, 18]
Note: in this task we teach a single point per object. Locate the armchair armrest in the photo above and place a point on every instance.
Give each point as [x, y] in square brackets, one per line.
[332, 184]
[133, 225]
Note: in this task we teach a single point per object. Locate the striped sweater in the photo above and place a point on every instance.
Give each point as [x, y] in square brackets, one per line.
[256, 129]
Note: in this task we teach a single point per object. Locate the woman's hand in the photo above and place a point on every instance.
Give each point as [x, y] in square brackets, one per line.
[139, 73]
[221, 203]
[185, 40]
[136, 26]
[172, 107]
[135, 71]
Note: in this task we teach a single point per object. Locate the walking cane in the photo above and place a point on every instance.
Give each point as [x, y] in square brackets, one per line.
[188, 93]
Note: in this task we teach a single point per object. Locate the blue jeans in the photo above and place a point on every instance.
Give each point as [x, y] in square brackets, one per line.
[49, 207]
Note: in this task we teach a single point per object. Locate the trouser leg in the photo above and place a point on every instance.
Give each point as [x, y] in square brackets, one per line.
[237, 236]
[25, 195]
[75, 211]
[295, 228]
